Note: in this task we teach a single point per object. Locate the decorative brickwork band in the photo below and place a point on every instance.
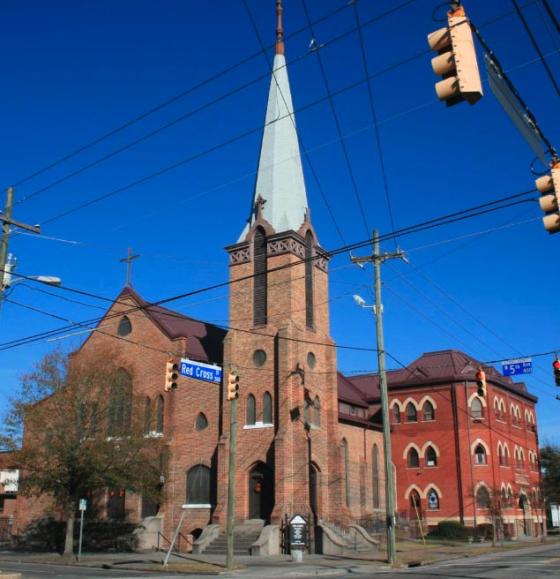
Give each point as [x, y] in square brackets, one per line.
[239, 254]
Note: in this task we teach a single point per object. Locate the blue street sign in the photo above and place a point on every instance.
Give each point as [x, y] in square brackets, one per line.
[516, 367]
[200, 371]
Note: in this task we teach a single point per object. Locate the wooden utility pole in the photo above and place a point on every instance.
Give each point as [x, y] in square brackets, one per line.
[7, 221]
[377, 259]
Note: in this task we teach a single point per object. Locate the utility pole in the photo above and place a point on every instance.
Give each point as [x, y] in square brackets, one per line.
[7, 221]
[377, 259]
[232, 396]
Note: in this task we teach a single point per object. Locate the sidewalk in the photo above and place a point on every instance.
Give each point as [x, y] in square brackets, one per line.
[410, 553]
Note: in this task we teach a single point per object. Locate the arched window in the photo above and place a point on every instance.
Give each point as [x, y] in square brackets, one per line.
[375, 476]
[431, 456]
[147, 415]
[125, 327]
[120, 404]
[307, 410]
[396, 414]
[415, 503]
[501, 457]
[201, 422]
[411, 414]
[267, 408]
[346, 458]
[412, 458]
[198, 485]
[309, 315]
[482, 498]
[251, 410]
[477, 410]
[260, 279]
[428, 411]
[317, 412]
[159, 414]
[433, 500]
[479, 454]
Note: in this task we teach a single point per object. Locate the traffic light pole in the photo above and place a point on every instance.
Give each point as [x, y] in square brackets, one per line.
[377, 259]
[231, 482]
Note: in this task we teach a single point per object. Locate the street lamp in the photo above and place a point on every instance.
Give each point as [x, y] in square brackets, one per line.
[7, 282]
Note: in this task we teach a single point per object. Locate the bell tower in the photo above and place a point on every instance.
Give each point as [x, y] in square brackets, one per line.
[288, 448]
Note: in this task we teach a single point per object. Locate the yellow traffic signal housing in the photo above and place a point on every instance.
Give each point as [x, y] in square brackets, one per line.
[549, 187]
[232, 386]
[481, 382]
[456, 61]
[171, 375]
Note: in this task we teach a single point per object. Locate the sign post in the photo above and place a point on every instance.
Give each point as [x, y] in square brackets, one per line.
[82, 507]
[298, 537]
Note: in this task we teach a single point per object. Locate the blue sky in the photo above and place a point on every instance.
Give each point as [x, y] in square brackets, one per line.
[72, 71]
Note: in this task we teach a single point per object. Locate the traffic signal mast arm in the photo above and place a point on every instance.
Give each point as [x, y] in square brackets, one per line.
[456, 62]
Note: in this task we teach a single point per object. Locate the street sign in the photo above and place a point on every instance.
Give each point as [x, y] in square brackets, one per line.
[83, 505]
[200, 371]
[516, 367]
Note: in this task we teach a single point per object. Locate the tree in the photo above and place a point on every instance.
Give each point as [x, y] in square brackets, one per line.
[78, 428]
[550, 469]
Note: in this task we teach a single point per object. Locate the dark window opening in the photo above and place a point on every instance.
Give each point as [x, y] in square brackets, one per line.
[428, 410]
[375, 467]
[267, 408]
[120, 405]
[482, 498]
[251, 411]
[198, 485]
[317, 412]
[147, 416]
[346, 458]
[411, 414]
[480, 454]
[159, 414]
[260, 279]
[201, 422]
[413, 459]
[431, 456]
[396, 414]
[309, 314]
[125, 327]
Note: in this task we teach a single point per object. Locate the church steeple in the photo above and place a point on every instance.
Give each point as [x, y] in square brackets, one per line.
[280, 183]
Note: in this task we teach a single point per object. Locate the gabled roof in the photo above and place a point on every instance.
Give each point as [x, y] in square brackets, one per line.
[204, 340]
[433, 368]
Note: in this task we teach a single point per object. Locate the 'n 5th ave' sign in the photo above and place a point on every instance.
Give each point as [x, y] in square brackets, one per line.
[516, 367]
[200, 371]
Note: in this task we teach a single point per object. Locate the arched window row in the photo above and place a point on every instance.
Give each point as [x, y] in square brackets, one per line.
[251, 410]
[503, 454]
[429, 453]
[416, 497]
[412, 410]
[153, 416]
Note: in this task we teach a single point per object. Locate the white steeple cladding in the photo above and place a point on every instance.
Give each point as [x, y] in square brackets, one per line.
[280, 180]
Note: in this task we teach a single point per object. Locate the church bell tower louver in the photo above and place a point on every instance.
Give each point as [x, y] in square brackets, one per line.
[288, 448]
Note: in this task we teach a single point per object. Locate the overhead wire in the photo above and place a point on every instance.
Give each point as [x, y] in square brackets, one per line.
[428, 224]
[536, 46]
[551, 14]
[317, 50]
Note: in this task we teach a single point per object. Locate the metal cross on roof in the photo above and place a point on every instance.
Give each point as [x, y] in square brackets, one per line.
[128, 260]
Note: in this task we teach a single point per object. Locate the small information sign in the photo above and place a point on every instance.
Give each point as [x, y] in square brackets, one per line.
[83, 505]
[298, 532]
[516, 367]
[200, 371]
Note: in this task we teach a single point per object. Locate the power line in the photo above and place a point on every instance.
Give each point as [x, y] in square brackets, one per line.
[536, 46]
[317, 50]
[429, 224]
[551, 14]
[164, 104]
[191, 158]
[374, 118]
[298, 135]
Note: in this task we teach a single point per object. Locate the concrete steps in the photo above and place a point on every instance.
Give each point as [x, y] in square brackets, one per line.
[244, 537]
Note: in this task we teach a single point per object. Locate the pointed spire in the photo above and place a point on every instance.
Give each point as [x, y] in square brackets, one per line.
[280, 185]
[279, 28]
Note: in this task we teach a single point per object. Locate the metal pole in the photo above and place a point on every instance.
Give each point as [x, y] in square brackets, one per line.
[389, 482]
[81, 534]
[231, 483]
[175, 535]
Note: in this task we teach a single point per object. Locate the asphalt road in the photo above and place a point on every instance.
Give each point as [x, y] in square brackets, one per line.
[36, 571]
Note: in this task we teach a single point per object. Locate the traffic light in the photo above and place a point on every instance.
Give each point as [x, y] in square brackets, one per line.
[456, 62]
[171, 375]
[549, 187]
[232, 386]
[556, 366]
[481, 382]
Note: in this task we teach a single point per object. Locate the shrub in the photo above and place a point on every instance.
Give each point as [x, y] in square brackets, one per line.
[450, 530]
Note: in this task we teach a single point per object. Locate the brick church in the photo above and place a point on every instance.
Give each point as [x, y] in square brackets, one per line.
[309, 440]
